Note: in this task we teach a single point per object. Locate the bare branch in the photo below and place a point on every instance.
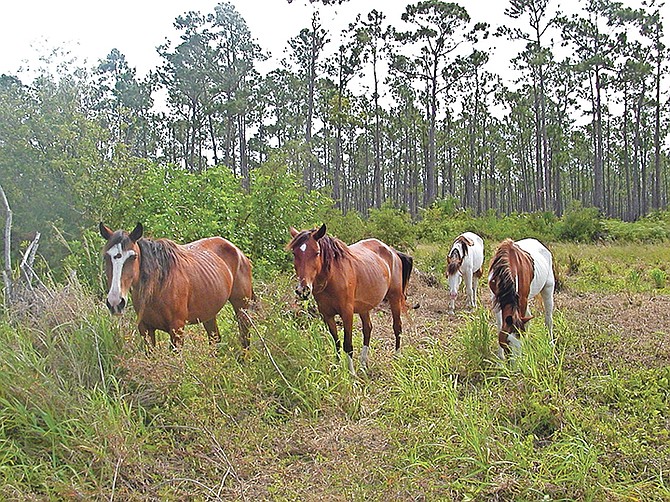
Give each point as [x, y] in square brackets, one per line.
[7, 271]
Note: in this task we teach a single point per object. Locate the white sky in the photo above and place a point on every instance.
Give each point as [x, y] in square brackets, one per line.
[91, 29]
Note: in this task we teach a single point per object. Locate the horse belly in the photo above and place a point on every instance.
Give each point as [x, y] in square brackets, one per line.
[372, 287]
[206, 299]
[368, 298]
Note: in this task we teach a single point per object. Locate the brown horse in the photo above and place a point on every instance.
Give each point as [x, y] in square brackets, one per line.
[347, 280]
[173, 285]
[520, 271]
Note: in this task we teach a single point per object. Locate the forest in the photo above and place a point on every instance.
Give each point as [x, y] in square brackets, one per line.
[435, 126]
[399, 131]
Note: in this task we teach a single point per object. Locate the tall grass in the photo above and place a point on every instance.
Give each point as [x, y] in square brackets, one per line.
[86, 413]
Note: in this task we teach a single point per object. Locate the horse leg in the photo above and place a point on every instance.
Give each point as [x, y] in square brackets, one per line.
[212, 331]
[475, 286]
[470, 300]
[367, 329]
[548, 300]
[396, 308]
[148, 335]
[177, 337]
[332, 328]
[241, 295]
[240, 306]
[348, 322]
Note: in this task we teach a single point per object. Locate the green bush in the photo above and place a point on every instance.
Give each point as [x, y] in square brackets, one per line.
[392, 226]
[659, 277]
[581, 224]
[348, 227]
[442, 222]
[276, 202]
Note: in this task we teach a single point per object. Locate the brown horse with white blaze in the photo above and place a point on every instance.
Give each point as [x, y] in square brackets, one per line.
[518, 272]
[173, 285]
[347, 280]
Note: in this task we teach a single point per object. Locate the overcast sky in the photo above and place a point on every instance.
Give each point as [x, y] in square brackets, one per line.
[91, 29]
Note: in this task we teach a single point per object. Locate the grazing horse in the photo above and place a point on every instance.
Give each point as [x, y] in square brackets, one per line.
[173, 285]
[520, 271]
[465, 261]
[348, 280]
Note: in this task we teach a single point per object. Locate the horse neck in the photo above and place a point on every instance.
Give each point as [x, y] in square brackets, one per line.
[335, 259]
[523, 270]
[156, 260]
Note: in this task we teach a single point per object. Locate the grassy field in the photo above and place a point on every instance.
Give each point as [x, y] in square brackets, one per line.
[86, 414]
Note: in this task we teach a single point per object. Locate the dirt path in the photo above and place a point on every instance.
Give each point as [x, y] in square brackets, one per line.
[631, 329]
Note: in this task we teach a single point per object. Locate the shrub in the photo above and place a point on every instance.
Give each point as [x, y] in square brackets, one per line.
[276, 201]
[582, 224]
[393, 226]
[659, 277]
[348, 227]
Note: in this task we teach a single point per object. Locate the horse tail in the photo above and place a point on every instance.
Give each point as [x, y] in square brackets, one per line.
[407, 264]
[558, 283]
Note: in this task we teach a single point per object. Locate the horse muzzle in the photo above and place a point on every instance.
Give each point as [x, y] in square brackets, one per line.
[117, 308]
[303, 292]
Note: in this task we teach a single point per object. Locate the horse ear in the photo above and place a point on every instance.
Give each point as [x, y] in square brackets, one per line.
[293, 232]
[526, 319]
[320, 232]
[105, 231]
[136, 233]
[468, 241]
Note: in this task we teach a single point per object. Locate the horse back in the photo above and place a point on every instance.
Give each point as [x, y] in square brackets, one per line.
[475, 255]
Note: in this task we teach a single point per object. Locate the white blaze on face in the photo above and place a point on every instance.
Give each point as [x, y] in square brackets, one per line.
[454, 283]
[118, 257]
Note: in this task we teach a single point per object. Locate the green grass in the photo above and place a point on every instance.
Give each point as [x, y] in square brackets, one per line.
[613, 267]
[85, 413]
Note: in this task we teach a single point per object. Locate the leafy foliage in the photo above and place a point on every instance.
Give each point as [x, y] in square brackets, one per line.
[581, 224]
[392, 226]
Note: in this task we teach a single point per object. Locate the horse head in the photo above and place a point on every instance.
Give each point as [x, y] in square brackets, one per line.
[307, 258]
[454, 275]
[121, 256]
[514, 325]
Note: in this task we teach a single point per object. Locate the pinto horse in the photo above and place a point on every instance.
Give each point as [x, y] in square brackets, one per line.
[173, 285]
[464, 262]
[520, 271]
[348, 280]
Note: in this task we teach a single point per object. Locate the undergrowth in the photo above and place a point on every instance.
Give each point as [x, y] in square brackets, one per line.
[85, 413]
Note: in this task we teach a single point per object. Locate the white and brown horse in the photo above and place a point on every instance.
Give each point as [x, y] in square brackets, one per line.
[518, 272]
[173, 285]
[347, 280]
[464, 263]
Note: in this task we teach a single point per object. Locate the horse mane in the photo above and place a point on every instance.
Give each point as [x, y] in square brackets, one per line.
[332, 248]
[158, 259]
[453, 266]
[506, 293]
